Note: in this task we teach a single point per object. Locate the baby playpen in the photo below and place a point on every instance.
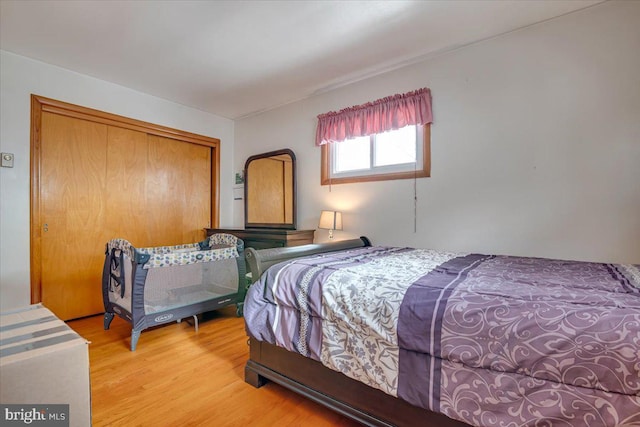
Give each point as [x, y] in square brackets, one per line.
[152, 286]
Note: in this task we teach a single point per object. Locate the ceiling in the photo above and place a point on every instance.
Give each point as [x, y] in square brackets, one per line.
[237, 58]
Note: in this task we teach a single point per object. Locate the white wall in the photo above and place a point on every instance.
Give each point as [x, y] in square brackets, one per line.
[21, 77]
[535, 145]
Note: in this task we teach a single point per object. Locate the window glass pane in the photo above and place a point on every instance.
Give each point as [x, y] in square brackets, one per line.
[352, 154]
[396, 147]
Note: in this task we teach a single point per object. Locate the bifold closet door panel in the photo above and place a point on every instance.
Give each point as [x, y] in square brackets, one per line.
[73, 212]
[178, 191]
[125, 189]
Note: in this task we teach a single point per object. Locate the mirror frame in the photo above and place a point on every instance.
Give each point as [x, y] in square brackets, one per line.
[283, 226]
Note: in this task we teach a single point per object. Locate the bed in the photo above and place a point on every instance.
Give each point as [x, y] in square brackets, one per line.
[403, 336]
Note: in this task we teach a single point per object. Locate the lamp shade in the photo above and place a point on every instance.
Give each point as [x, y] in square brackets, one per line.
[330, 220]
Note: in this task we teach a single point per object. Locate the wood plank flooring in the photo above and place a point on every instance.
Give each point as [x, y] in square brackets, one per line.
[178, 377]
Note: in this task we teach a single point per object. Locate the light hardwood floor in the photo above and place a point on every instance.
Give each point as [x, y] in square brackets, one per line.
[178, 377]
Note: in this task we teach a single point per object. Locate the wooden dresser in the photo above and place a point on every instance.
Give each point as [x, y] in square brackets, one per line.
[263, 238]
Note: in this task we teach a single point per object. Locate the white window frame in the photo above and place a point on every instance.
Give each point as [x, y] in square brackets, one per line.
[418, 169]
[379, 170]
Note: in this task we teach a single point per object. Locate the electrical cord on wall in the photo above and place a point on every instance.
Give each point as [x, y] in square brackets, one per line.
[415, 199]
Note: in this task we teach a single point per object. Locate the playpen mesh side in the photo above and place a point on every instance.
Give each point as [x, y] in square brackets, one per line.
[114, 287]
[182, 285]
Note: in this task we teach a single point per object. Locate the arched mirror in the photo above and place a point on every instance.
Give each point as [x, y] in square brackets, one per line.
[270, 190]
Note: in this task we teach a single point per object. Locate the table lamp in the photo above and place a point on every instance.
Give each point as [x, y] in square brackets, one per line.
[330, 220]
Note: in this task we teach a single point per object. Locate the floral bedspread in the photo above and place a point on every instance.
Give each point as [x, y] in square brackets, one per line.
[488, 340]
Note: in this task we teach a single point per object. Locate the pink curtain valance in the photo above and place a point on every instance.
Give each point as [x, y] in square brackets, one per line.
[390, 113]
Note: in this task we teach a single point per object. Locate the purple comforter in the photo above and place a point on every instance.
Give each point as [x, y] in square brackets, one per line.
[488, 340]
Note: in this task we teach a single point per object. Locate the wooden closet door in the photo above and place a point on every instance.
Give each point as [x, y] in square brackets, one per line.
[178, 188]
[125, 188]
[99, 182]
[73, 212]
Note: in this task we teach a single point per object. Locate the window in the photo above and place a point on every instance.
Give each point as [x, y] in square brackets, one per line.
[397, 154]
[385, 139]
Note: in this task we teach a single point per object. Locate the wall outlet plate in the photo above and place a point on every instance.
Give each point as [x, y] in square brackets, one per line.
[6, 160]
